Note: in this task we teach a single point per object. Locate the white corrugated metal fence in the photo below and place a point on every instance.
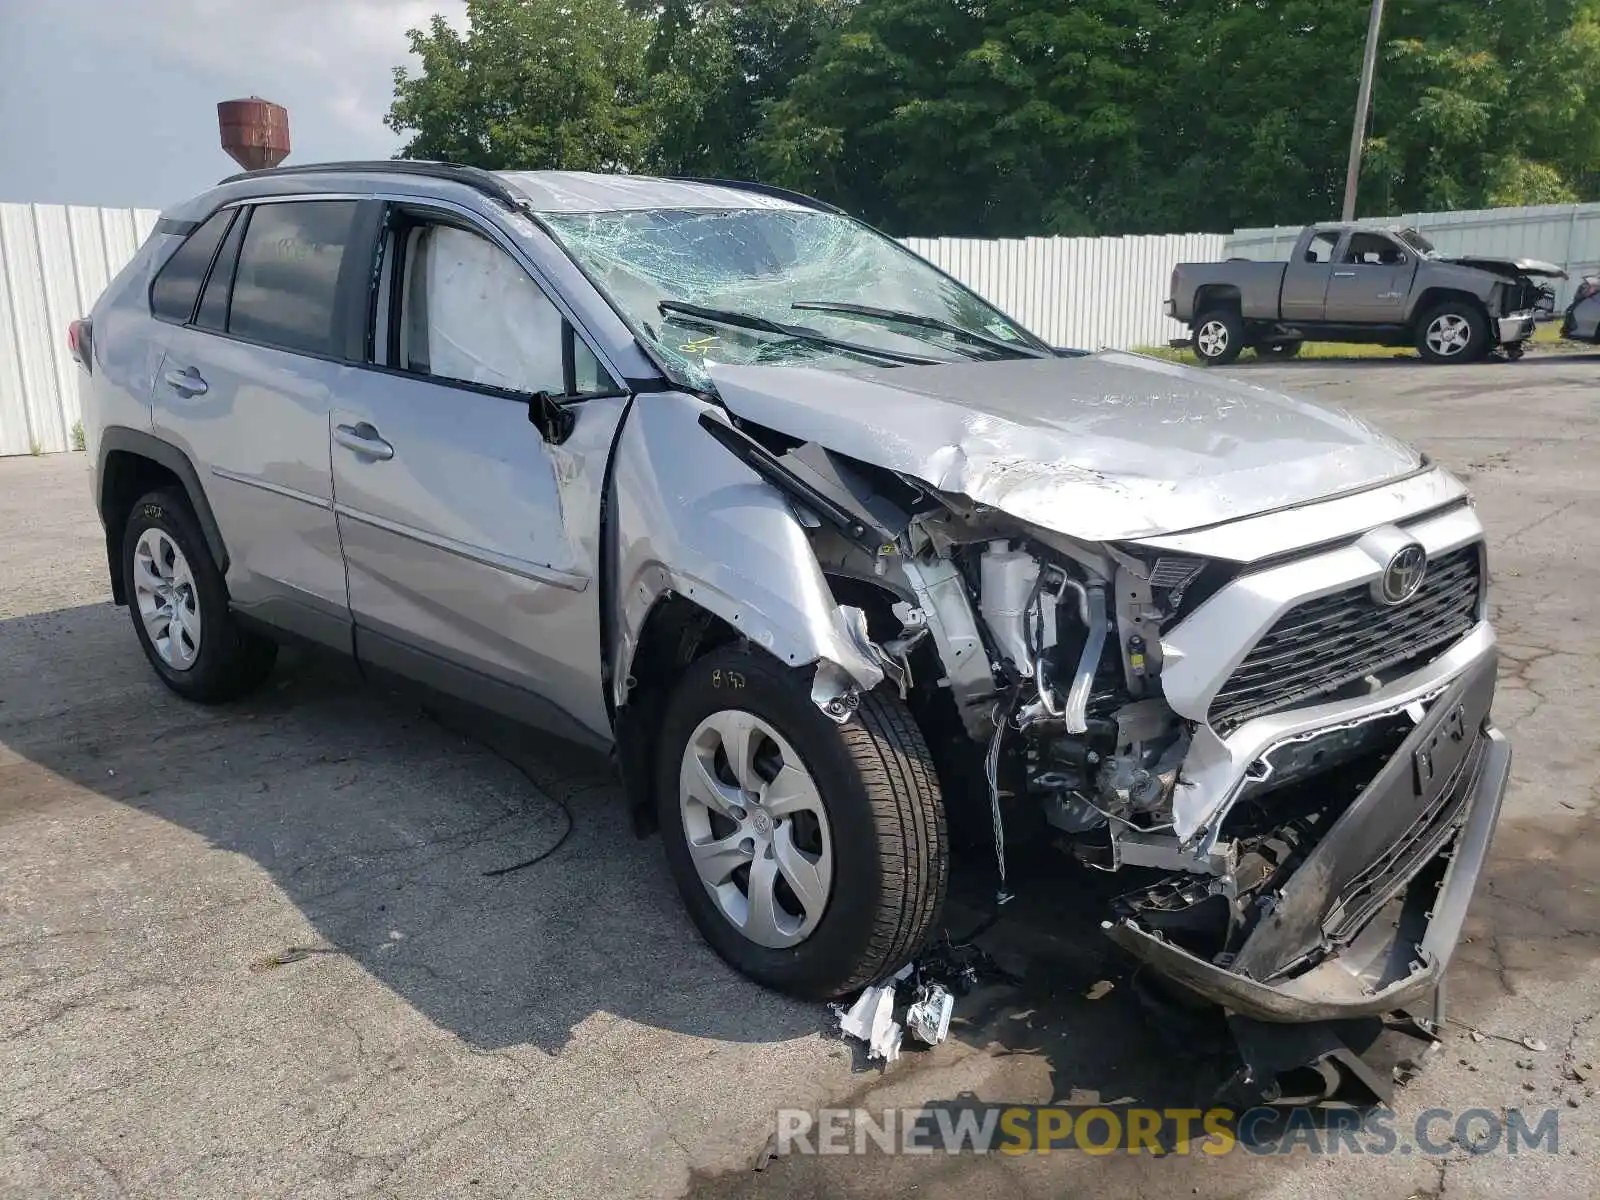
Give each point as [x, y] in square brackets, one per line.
[55, 260]
[1088, 292]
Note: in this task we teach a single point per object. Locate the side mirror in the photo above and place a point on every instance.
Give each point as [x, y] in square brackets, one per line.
[553, 420]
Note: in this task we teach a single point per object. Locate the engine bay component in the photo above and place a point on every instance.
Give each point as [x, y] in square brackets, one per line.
[1008, 598]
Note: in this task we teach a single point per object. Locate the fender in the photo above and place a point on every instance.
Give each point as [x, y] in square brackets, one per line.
[120, 438]
[695, 520]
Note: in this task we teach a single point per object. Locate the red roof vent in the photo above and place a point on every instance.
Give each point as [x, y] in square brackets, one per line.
[255, 132]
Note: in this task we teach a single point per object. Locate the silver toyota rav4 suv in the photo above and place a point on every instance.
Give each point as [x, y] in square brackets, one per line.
[827, 550]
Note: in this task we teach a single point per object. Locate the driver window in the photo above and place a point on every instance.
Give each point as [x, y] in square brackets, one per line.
[1320, 248]
[471, 313]
[1373, 249]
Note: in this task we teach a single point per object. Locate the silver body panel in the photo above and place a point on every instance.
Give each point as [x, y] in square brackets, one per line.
[694, 521]
[478, 541]
[258, 437]
[1105, 447]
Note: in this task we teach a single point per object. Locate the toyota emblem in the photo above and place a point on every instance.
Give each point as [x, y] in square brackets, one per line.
[1402, 575]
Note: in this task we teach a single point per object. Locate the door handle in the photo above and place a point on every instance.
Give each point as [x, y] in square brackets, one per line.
[187, 382]
[1344, 274]
[364, 440]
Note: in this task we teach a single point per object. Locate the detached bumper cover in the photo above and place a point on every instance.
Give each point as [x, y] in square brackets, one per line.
[1442, 789]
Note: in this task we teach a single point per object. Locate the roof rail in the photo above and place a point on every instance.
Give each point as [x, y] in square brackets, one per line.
[473, 177]
[767, 189]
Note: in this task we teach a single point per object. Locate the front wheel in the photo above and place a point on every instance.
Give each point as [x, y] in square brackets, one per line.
[1453, 332]
[812, 856]
[1218, 337]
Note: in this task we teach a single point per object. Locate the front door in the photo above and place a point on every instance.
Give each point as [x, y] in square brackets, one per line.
[1370, 281]
[471, 535]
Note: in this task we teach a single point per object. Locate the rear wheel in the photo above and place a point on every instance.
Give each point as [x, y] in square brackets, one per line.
[1218, 337]
[179, 604]
[1455, 331]
[811, 855]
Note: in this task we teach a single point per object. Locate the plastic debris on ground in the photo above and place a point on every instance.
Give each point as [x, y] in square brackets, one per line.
[928, 1018]
[871, 1019]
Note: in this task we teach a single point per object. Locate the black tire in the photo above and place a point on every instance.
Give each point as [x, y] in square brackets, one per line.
[886, 817]
[1276, 350]
[1477, 332]
[229, 661]
[1218, 337]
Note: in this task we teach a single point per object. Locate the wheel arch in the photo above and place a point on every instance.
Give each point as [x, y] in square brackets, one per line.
[1431, 298]
[1217, 295]
[132, 463]
[698, 546]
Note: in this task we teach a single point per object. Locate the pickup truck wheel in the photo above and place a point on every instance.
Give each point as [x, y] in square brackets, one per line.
[1286, 349]
[1454, 332]
[179, 604]
[1218, 337]
[812, 856]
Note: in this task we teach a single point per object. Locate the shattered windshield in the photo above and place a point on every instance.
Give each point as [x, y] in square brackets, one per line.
[775, 285]
[1416, 241]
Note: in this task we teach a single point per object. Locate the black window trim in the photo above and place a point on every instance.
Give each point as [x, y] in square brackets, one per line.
[349, 325]
[402, 214]
[205, 276]
[241, 221]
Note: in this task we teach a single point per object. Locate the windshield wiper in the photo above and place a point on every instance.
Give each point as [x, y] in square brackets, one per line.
[919, 321]
[799, 333]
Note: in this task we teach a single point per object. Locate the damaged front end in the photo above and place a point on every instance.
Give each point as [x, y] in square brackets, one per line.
[1288, 753]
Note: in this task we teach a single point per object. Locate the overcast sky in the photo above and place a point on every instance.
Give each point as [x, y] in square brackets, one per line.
[113, 102]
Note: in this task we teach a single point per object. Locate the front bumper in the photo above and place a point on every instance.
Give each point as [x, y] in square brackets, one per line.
[1518, 327]
[1415, 840]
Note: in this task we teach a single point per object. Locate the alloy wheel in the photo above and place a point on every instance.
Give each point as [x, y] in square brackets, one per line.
[1449, 334]
[164, 590]
[1212, 338]
[757, 830]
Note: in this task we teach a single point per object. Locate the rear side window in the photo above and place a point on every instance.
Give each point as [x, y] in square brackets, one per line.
[213, 313]
[177, 286]
[287, 282]
[1320, 248]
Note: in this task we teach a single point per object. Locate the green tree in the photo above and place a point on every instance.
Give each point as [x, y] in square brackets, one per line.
[1016, 117]
[530, 84]
[716, 66]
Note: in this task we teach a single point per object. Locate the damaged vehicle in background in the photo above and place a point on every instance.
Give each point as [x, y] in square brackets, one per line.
[1387, 286]
[829, 550]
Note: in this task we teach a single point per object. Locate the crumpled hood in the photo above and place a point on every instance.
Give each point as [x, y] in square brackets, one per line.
[1105, 447]
[1533, 267]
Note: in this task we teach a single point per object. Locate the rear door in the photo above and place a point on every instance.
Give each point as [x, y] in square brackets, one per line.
[1306, 278]
[1371, 280]
[247, 387]
[469, 461]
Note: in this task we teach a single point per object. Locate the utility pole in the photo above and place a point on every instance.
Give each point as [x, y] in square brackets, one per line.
[1363, 98]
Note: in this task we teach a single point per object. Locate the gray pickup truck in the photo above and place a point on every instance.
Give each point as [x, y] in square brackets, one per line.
[1362, 283]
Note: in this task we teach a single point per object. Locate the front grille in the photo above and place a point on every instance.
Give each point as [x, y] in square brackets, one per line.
[1328, 643]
